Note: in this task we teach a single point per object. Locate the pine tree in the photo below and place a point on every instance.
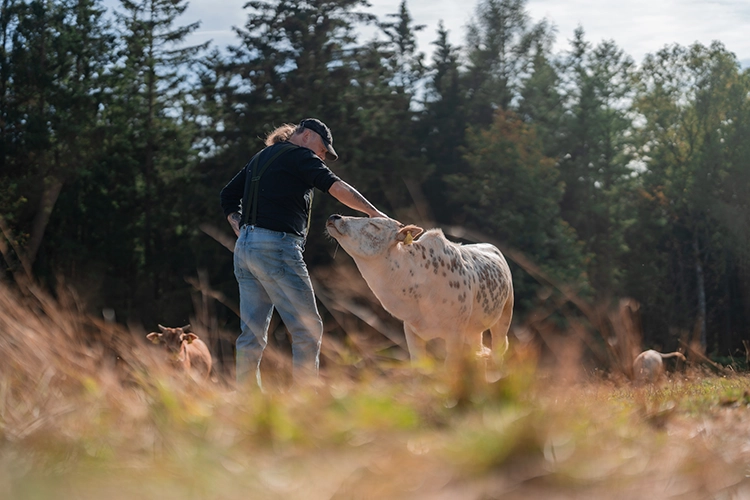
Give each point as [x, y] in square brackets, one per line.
[689, 98]
[511, 193]
[443, 124]
[499, 47]
[595, 154]
[541, 99]
[54, 60]
[151, 155]
[403, 60]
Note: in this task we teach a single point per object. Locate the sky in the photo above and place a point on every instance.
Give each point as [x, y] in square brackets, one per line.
[639, 27]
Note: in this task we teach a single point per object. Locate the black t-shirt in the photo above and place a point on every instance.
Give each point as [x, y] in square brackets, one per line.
[285, 189]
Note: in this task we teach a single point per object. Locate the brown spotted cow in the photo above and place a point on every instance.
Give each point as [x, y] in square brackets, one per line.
[438, 288]
[185, 350]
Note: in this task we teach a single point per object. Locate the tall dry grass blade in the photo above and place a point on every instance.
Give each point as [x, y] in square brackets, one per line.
[420, 203]
[201, 285]
[226, 240]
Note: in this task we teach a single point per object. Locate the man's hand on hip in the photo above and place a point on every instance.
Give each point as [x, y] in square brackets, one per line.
[234, 220]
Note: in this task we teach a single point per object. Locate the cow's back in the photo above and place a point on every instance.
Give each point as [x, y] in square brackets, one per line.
[648, 366]
[435, 284]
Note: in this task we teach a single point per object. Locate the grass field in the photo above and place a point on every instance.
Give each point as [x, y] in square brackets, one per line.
[88, 411]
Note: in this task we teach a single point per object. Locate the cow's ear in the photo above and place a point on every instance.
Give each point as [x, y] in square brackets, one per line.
[189, 337]
[154, 337]
[409, 233]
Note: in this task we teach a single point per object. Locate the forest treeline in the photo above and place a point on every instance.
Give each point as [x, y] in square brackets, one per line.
[613, 179]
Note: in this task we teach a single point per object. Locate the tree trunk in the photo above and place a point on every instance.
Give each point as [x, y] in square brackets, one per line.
[52, 188]
[701, 286]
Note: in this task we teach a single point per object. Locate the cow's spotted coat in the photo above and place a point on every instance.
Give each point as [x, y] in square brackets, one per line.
[439, 289]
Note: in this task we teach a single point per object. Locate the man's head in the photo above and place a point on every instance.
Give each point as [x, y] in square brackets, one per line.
[321, 141]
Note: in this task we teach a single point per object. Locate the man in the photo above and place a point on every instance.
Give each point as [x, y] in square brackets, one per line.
[270, 217]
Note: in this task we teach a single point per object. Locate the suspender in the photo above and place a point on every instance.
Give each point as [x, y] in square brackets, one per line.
[252, 182]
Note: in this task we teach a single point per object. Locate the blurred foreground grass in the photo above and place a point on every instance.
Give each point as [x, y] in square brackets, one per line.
[87, 411]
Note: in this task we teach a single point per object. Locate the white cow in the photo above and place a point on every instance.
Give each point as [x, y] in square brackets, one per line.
[649, 365]
[438, 288]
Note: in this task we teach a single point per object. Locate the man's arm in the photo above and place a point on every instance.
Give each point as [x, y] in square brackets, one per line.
[234, 220]
[231, 196]
[350, 197]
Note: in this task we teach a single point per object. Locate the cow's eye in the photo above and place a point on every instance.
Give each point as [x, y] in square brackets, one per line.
[374, 226]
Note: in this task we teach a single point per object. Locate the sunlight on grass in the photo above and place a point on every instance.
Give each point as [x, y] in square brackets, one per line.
[87, 410]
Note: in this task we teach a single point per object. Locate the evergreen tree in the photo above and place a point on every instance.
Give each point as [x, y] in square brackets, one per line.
[54, 58]
[144, 180]
[511, 193]
[294, 59]
[689, 99]
[542, 101]
[595, 155]
[500, 48]
[404, 62]
[401, 162]
[443, 124]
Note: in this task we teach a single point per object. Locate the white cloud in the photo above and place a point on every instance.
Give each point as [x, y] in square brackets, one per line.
[638, 27]
[644, 26]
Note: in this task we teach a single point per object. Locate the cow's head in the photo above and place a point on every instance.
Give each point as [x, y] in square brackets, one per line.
[172, 338]
[369, 236]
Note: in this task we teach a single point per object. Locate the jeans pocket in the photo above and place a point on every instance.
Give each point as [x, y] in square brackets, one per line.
[268, 264]
[278, 269]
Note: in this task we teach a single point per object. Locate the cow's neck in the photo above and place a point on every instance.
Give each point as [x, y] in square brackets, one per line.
[370, 267]
[373, 270]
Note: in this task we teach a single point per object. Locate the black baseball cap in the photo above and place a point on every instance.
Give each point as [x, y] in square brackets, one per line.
[324, 132]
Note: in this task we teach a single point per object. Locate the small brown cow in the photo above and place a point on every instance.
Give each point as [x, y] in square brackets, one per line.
[186, 350]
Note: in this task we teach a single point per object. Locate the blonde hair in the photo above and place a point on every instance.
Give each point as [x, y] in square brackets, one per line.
[281, 134]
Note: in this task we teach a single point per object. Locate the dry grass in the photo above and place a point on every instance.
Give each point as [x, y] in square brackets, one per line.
[87, 411]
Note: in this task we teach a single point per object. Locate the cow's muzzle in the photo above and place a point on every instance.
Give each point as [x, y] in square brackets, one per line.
[331, 223]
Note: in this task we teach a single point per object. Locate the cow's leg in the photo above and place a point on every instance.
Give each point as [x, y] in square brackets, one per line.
[416, 346]
[454, 351]
[499, 335]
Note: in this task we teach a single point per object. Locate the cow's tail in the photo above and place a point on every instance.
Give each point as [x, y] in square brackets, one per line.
[499, 330]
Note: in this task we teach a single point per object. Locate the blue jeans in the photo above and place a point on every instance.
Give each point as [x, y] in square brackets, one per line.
[271, 274]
